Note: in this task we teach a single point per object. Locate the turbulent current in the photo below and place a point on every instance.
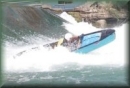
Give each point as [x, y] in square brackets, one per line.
[106, 65]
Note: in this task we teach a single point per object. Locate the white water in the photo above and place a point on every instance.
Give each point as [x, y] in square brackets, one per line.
[75, 27]
[112, 54]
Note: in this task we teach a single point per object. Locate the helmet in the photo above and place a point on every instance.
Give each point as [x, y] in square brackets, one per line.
[68, 36]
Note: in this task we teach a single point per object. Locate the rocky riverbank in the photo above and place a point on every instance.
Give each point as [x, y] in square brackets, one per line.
[101, 14]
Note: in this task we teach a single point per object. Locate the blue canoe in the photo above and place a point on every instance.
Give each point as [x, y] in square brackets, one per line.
[90, 41]
[96, 40]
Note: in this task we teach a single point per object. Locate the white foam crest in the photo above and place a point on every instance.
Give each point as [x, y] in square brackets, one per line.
[80, 28]
[68, 17]
[77, 28]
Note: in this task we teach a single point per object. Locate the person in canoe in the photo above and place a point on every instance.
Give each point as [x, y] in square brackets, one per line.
[71, 41]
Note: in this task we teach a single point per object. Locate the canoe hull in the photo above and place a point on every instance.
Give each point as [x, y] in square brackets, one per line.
[96, 45]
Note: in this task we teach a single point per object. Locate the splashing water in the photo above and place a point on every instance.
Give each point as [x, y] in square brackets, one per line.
[77, 28]
[113, 54]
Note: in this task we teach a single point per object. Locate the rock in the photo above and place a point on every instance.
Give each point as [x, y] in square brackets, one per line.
[99, 13]
[100, 24]
[46, 6]
[57, 10]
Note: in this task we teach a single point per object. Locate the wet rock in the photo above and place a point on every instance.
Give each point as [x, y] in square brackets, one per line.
[100, 24]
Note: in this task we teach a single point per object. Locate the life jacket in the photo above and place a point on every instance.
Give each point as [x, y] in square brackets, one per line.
[60, 41]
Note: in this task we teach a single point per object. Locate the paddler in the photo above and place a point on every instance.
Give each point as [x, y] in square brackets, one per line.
[65, 40]
[68, 40]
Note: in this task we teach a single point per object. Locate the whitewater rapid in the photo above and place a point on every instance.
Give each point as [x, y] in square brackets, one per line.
[112, 54]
